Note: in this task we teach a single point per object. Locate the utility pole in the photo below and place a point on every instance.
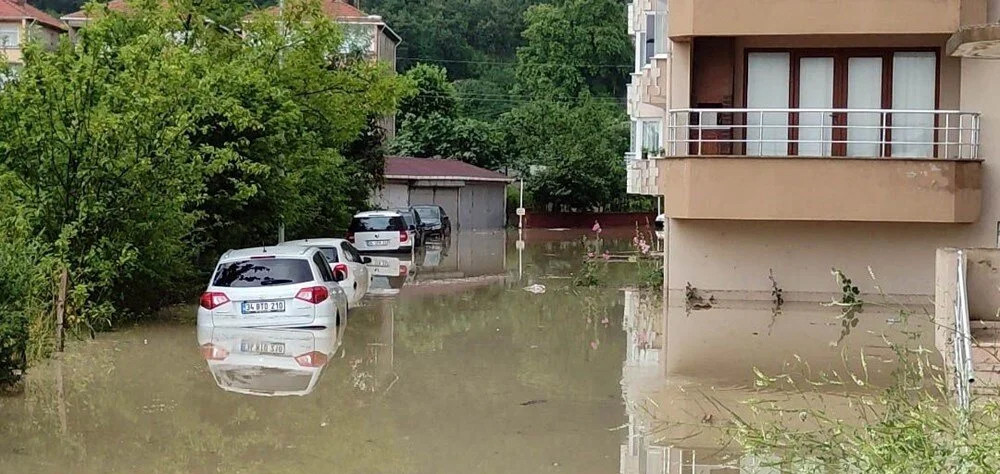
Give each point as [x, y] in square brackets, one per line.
[281, 54]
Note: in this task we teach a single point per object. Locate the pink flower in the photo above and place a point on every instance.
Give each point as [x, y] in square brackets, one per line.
[605, 321]
[606, 256]
[593, 345]
[590, 254]
[597, 227]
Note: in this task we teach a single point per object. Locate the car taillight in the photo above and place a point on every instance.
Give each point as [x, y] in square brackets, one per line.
[403, 236]
[213, 352]
[403, 270]
[350, 237]
[340, 267]
[212, 300]
[314, 295]
[312, 359]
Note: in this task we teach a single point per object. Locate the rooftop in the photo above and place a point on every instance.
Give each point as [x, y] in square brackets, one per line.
[15, 10]
[398, 167]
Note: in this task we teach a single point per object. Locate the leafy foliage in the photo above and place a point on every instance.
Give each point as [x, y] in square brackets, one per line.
[137, 153]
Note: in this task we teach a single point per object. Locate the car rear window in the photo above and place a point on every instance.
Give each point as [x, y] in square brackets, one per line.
[377, 224]
[262, 272]
[429, 213]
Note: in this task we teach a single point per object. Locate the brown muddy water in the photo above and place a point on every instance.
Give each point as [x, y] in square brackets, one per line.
[453, 368]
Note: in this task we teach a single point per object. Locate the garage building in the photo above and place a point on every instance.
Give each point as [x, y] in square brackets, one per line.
[475, 198]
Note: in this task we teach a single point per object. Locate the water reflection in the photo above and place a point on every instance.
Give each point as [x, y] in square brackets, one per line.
[686, 373]
[268, 362]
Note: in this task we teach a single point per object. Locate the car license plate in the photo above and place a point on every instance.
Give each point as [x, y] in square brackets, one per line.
[254, 307]
[260, 347]
[378, 243]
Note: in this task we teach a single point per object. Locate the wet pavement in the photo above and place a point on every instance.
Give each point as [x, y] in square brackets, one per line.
[451, 368]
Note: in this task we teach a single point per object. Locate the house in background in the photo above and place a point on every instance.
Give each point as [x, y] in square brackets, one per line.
[19, 22]
[803, 135]
[474, 198]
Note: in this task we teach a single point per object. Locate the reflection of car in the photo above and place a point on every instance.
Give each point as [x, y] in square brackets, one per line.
[414, 224]
[344, 259]
[436, 221]
[379, 231]
[434, 253]
[268, 362]
[273, 287]
[389, 274]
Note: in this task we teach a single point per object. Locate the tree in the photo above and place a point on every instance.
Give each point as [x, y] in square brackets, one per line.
[136, 154]
[431, 126]
[571, 154]
[573, 46]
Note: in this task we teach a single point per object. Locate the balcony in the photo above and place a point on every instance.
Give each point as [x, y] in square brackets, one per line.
[690, 18]
[875, 165]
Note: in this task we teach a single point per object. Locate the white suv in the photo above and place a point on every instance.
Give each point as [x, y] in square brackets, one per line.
[273, 287]
[380, 231]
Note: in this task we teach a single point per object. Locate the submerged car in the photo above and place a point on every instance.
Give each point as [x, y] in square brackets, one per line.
[273, 287]
[268, 362]
[436, 221]
[344, 260]
[416, 227]
[380, 231]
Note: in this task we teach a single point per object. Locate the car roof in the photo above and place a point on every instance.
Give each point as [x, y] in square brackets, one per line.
[431, 206]
[377, 214]
[322, 242]
[275, 251]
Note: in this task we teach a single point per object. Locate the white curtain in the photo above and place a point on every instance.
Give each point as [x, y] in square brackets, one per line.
[913, 84]
[767, 87]
[815, 92]
[864, 91]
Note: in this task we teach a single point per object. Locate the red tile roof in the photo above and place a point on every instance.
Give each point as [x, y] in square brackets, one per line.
[15, 10]
[113, 5]
[335, 9]
[398, 167]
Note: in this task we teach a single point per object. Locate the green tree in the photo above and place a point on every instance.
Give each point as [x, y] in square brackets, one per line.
[573, 46]
[571, 153]
[134, 155]
[431, 126]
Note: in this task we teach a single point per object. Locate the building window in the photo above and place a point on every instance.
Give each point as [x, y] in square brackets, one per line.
[661, 28]
[860, 79]
[10, 36]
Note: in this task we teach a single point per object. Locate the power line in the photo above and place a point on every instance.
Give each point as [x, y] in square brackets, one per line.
[515, 63]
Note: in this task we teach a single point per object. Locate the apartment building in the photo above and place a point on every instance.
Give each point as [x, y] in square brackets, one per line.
[789, 137]
[19, 22]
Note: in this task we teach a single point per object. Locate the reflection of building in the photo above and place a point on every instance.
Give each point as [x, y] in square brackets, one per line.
[800, 135]
[466, 260]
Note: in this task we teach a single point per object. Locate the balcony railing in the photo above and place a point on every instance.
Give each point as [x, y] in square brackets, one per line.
[860, 133]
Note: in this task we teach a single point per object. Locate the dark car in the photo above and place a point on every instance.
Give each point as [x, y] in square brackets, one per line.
[436, 221]
[414, 224]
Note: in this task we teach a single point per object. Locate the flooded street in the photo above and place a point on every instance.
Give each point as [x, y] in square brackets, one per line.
[452, 368]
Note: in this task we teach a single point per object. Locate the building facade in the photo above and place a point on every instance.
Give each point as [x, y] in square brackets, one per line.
[790, 137]
[21, 22]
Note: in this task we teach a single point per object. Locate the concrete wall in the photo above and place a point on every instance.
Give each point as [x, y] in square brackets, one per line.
[690, 18]
[821, 189]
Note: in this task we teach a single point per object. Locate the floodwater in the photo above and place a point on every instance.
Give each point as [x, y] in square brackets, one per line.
[453, 367]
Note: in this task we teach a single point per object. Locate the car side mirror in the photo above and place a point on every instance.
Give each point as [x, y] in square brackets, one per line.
[413, 227]
[339, 276]
[366, 260]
